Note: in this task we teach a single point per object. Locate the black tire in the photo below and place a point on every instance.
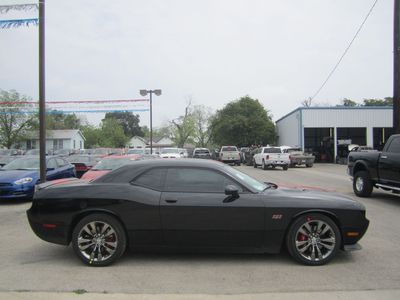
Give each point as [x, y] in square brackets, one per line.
[264, 166]
[309, 165]
[325, 245]
[285, 167]
[254, 163]
[362, 184]
[113, 231]
[238, 163]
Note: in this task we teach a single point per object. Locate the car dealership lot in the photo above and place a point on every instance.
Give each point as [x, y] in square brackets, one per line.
[30, 264]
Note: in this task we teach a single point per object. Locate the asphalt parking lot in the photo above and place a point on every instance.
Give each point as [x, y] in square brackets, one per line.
[30, 264]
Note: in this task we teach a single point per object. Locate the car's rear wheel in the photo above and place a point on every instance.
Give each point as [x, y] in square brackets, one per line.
[285, 167]
[362, 185]
[254, 163]
[99, 240]
[313, 239]
[309, 165]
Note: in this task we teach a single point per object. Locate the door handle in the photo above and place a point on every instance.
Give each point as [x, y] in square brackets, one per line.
[171, 200]
[383, 156]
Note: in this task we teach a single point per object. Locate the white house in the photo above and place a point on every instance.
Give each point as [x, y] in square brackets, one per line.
[71, 139]
[323, 130]
[158, 142]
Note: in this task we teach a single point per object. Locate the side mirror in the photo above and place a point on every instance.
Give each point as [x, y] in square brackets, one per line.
[232, 190]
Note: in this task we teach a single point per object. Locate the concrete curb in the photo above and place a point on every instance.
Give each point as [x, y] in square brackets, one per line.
[326, 295]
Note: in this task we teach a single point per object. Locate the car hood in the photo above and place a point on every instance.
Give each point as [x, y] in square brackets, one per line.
[312, 198]
[13, 175]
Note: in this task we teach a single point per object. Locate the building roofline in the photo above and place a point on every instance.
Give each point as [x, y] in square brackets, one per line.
[333, 108]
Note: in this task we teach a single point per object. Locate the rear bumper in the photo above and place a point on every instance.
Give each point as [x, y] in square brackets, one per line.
[52, 233]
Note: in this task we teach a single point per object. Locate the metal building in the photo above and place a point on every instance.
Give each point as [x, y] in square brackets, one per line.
[327, 131]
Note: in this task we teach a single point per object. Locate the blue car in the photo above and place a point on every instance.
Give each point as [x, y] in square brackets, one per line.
[19, 177]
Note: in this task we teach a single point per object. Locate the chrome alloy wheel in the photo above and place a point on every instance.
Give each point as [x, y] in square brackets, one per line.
[359, 184]
[97, 241]
[315, 240]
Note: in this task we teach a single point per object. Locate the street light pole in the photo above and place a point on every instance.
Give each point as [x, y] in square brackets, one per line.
[157, 93]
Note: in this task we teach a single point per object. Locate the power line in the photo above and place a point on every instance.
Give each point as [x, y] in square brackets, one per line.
[345, 51]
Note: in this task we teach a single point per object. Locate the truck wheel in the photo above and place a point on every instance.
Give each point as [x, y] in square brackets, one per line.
[285, 167]
[254, 163]
[264, 166]
[362, 184]
[309, 165]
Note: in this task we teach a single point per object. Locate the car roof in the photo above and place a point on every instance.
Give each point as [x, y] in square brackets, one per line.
[140, 165]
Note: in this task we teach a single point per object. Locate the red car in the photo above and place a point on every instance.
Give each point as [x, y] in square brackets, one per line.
[83, 163]
[107, 164]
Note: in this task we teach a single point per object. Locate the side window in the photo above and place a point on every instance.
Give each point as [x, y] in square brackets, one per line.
[394, 145]
[60, 162]
[152, 179]
[196, 180]
[52, 164]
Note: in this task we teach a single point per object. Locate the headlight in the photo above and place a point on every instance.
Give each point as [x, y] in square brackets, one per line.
[23, 180]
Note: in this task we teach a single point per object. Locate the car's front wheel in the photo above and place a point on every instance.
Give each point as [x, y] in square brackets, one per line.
[254, 163]
[99, 240]
[313, 239]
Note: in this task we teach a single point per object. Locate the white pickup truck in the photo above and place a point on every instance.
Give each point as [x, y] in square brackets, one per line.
[271, 157]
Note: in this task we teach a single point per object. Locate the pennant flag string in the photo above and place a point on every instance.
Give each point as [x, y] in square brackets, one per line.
[72, 111]
[6, 8]
[5, 24]
[74, 102]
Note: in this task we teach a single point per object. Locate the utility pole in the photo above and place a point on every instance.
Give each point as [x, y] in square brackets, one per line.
[42, 94]
[396, 68]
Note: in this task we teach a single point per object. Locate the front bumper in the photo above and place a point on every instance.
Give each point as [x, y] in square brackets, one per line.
[17, 192]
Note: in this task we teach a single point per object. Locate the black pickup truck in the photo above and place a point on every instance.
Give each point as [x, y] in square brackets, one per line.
[371, 169]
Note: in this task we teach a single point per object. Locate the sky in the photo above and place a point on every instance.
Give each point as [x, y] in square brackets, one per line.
[208, 51]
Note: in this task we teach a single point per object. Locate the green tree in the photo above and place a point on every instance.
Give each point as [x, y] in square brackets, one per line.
[348, 102]
[112, 134]
[201, 117]
[387, 101]
[92, 135]
[183, 128]
[128, 121]
[243, 122]
[15, 120]
[56, 120]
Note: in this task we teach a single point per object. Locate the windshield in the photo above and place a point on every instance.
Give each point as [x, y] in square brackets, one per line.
[250, 181]
[136, 151]
[76, 158]
[26, 163]
[100, 151]
[33, 152]
[111, 164]
[170, 150]
[272, 150]
[229, 149]
[202, 151]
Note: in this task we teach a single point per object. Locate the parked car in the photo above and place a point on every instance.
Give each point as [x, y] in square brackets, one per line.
[6, 159]
[19, 177]
[230, 154]
[139, 151]
[242, 151]
[63, 152]
[201, 153]
[370, 169]
[101, 152]
[193, 204]
[10, 152]
[298, 157]
[107, 164]
[171, 153]
[271, 157]
[83, 163]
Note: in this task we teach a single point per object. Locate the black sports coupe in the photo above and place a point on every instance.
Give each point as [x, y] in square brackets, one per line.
[193, 205]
